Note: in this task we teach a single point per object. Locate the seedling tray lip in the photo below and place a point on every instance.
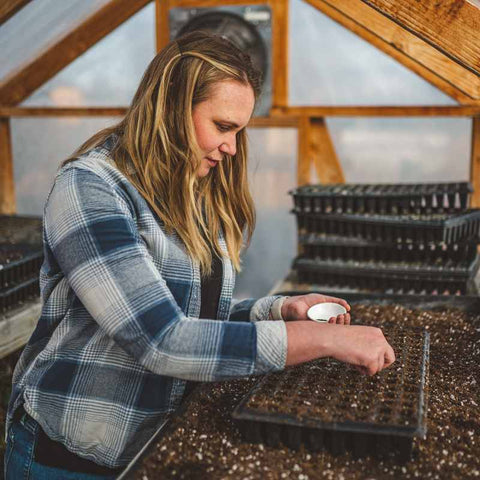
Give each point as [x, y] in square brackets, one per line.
[411, 190]
[30, 252]
[452, 219]
[374, 269]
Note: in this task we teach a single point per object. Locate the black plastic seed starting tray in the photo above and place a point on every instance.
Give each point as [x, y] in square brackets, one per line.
[19, 263]
[333, 247]
[326, 405]
[449, 277]
[14, 296]
[445, 228]
[382, 198]
[20, 229]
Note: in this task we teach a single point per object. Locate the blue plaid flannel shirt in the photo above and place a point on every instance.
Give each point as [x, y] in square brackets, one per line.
[119, 333]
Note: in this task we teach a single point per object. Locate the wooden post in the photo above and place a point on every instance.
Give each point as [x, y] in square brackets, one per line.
[304, 159]
[162, 30]
[279, 52]
[7, 188]
[323, 153]
[475, 162]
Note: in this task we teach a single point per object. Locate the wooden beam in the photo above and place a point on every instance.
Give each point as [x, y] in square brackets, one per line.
[405, 47]
[279, 53]
[475, 162]
[380, 111]
[7, 186]
[20, 84]
[304, 160]
[8, 8]
[162, 28]
[323, 153]
[451, 26]
[282, 115]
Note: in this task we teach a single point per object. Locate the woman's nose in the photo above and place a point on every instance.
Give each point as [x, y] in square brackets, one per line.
[229, 147]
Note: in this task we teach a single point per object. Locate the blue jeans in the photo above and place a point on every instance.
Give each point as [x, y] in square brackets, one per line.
[19, 456]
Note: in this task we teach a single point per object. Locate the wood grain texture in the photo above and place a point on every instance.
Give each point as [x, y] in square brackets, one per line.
[8, 8]
[413, 52]
[20, 84]
[162, 29]
[475, 162]
[324, 157]
[452, 26]
[279, 52]
[379, 111]
[304, 160]
[7, 186]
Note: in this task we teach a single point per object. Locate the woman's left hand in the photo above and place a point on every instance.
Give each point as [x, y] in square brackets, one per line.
[295, 308]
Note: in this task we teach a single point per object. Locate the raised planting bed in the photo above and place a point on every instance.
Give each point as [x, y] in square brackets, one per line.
[423, 228]
[322, 404]
[382, 198]
[203, 441]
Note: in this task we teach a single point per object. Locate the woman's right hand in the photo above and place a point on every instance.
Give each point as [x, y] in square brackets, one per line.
[365, 348]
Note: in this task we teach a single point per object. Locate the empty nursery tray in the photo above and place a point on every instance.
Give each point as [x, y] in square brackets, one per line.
[450, 277]
[326, 404]
[18, 229]
[19, 263]
[382, 198]
[333, 247]
[19, 294]
[437, 228]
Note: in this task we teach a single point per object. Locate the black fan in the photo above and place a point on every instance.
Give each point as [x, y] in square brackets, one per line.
[233, 27]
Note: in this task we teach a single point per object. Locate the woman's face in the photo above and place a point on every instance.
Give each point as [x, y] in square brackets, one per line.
[218, 119]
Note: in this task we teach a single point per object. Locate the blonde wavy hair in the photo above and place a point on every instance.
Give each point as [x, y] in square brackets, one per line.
[156, 147]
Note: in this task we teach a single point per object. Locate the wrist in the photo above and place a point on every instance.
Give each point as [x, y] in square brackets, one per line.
[276, 309]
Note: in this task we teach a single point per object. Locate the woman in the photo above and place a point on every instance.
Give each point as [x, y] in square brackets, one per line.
[142, 235]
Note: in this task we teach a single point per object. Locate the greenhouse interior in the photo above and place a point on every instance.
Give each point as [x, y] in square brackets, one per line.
[240, 239]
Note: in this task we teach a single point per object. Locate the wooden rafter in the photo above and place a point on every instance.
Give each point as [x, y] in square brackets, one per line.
[452, 26]
[20, 84]
[8, 8]
[415, 53]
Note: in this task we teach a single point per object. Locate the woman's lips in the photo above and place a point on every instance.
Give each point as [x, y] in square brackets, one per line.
[211, 162]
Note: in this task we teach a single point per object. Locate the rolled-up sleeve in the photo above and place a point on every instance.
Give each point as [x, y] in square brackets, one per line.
[93, 235]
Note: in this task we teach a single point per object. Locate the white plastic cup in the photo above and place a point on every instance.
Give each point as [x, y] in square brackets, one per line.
[323, 312]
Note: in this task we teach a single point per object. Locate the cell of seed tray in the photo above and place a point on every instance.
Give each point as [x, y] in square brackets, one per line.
[326, 404]
[331, 247]
[19, 263]
[445, 228]
[450, 277]
[382, 198]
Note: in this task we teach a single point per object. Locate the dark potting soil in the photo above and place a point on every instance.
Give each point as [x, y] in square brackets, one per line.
[204, 442]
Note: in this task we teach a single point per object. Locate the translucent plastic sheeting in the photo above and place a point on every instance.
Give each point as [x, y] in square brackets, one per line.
[108, 73]
[273, 172]
[39, 146]
[37, 25]
[330, 65]
[383, 150]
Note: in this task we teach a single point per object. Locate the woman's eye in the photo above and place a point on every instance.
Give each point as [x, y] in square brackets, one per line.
[222, 128]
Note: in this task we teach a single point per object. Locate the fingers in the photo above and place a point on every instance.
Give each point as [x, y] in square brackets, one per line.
[389, 356]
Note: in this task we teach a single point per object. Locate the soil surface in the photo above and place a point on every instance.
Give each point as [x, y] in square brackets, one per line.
[204, 441]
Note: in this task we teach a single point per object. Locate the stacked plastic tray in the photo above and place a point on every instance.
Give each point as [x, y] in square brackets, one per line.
[323, 405]
[21, 257]
[398, 238]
